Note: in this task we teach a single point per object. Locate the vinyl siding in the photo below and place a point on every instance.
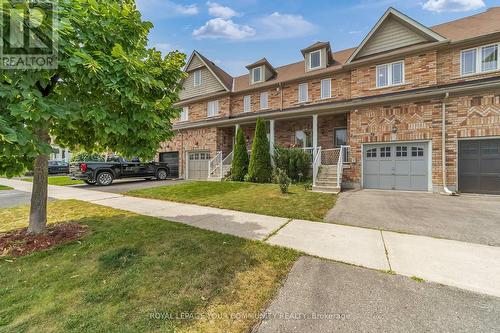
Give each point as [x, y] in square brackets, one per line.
[391, 35]
[209, 85]
[195, 63]
[323, 61]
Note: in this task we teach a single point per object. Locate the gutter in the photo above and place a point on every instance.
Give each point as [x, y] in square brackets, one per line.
[446, 190]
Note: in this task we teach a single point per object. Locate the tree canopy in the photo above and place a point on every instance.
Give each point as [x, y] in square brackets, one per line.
[108, 90]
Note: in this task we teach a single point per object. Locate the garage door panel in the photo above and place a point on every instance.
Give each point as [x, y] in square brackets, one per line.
[489, 183]
[198, 165]
[403, 182]
[387, 182]
[479, 166]
[387, 167]
[402, 170]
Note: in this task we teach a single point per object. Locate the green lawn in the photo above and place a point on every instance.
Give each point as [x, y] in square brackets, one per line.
[134, 273]
[4, 188]
[58, 180]
[247, 197]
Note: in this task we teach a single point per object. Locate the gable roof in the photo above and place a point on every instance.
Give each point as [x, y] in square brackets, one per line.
[224, 78]
[481, 24]
[418, 29]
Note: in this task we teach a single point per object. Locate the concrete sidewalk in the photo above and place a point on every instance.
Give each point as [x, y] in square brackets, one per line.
[469, 266]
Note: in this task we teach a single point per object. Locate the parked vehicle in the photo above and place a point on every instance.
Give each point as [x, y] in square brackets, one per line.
[56, 167]
[103, 173]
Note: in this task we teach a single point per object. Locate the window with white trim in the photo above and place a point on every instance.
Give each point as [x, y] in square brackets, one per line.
[256, 74]
[479, 60]
[315, 59]
[326, 88]
[184, 114]
[390, 74]
[197, 77]
[264, 103]
[213, 108]
[303, 93]
[247, 103]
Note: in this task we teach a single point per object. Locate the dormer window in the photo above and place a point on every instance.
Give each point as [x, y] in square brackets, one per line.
[315, 59]
[257, 74]
[317, 56]
[197, 78]
[261, 71]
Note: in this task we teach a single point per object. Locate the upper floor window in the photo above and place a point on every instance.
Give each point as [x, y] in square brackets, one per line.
[256, 74]
[326, 88]
[303, 93]
[479, 59]
[247, 103]
[315, 59]
[264, 103]
[213, 108]
[197, 78]
[184, 114]
[390, 74]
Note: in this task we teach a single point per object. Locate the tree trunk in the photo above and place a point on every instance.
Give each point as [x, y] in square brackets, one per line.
[38, 210]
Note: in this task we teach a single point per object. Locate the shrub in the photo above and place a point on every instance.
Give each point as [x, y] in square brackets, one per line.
[260, 169]
[282, 179]
[308, 186]
[87, 157]
[295, 161]
[239, 166]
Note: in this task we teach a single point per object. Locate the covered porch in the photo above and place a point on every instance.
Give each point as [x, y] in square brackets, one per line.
[324, 137]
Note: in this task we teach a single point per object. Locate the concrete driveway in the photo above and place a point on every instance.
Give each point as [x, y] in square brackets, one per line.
[325, 296]
[468, 218]
[125, 185]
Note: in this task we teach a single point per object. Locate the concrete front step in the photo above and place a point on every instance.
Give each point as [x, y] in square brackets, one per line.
[326, 184]
[326, 189]
[327, 178]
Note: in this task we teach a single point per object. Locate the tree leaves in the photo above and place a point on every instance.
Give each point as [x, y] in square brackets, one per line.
[109, 91]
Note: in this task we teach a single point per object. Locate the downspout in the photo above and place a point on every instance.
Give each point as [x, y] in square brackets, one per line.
[446, 190]
[281, 96]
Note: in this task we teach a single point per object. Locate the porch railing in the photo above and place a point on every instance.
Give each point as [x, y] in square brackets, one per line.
[215, 166]
[316, 164]
[218, 167]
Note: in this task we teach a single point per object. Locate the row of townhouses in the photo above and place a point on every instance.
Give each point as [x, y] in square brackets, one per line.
[410, 108]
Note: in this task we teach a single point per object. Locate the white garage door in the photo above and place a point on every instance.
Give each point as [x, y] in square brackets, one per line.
[198, 164]
[396, 166]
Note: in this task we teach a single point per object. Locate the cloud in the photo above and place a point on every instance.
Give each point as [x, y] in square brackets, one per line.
[218, 10]
[452, 5]
[223, 28]
[279, 26]
[165, 8]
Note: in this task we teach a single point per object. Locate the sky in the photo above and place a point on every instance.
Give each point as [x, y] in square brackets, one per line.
[234, 34]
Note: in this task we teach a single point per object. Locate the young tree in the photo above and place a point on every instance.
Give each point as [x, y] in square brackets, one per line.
[239, 166]
[108, 91]
[260, 169]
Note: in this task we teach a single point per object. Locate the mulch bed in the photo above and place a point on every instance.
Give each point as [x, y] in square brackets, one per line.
[18, 243]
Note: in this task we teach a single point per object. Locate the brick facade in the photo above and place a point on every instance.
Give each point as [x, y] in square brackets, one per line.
[469, 115]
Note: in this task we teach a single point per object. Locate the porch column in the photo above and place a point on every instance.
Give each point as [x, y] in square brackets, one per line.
[236, 128]
[315, 134]
[271, 137]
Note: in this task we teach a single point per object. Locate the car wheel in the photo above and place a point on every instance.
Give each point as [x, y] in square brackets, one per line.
[104, 178]
[89, 182]
[161, 174]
